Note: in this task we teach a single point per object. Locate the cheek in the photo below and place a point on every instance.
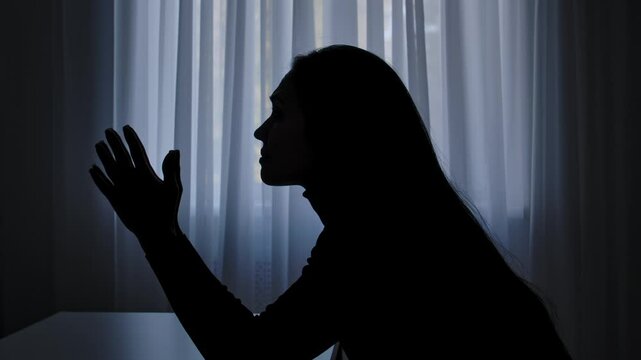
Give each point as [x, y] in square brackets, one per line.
[281, 138]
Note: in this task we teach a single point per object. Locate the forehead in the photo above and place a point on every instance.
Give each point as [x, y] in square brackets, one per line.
[285, 88]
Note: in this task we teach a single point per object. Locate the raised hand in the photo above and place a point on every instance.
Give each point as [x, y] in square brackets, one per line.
[146, 204]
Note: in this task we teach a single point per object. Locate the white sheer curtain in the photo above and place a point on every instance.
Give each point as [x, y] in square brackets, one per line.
[196, 75]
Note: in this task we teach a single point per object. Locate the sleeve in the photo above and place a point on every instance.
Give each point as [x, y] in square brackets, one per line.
[301, 324]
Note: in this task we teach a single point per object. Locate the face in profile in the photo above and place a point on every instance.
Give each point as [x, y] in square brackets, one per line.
[285, 153]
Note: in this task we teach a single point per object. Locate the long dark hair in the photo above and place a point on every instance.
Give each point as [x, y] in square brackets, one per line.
[367, 136]
[359, 115]
[366, 133]
[365, 130]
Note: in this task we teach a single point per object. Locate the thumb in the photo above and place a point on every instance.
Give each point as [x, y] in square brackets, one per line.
[176, 170]
[168, 165]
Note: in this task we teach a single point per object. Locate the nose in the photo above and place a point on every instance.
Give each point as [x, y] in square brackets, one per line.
[261, 132]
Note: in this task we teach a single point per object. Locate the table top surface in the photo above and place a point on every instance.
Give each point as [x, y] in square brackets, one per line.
[104, 335]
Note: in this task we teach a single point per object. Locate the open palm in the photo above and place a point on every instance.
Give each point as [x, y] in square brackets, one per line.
[146, 204]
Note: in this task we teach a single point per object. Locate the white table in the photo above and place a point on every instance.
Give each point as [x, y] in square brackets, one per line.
[104, 335]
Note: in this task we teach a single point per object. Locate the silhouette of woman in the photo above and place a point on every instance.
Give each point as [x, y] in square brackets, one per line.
[402, 269]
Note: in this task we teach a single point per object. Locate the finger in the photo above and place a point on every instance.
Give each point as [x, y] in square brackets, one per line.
[107, 160]
[123, 160]
[102, 182]
[138, 152]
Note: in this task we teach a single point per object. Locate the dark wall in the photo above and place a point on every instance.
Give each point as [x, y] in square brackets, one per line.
[28, 114]
[57, 90]
[83, 221]
[607, 67]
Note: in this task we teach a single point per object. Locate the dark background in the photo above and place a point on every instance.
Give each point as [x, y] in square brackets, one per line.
[38, 125]
[32, 73]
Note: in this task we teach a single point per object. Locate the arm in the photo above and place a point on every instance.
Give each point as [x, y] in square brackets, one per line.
[215, 320]
[297, 326]
[301, 324]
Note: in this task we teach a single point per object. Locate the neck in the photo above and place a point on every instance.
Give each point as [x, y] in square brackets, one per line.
[341, 203]
[324, 202]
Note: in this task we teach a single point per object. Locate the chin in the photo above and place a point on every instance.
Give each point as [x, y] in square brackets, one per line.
[273, 180]
[268, 179]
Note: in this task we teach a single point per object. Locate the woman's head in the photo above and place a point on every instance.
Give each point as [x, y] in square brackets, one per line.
[353, 120]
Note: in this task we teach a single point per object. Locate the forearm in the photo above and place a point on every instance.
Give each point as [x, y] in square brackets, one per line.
[301, 324]
[214, 319]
